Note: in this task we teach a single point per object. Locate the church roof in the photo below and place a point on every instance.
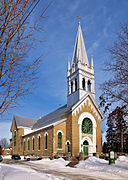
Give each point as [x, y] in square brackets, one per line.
[52, 117]
[80, 53]
[24, 121]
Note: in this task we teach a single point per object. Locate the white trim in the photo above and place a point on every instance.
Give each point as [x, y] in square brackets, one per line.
[87, 139]
[28, 138]
[91, 101]
[46, 133]
[52, 124]
[67, 142]
[92, 143]
[87, 115]
[24, 140]
[33, 137]
[59, 131]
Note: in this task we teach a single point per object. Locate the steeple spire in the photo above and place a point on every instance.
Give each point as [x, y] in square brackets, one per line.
[80, 76]
[68, 66]
[92, 65]
[80, 53]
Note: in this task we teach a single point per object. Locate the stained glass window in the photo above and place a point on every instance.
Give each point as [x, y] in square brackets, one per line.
[60, 140]
[87, 126]
[28, 145]
[46, 139]
[33, 144]
[14, 138]
[39, 143]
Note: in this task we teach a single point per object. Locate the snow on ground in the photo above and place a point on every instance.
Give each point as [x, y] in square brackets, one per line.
[95, 165]
[17, 172]
[61, 163]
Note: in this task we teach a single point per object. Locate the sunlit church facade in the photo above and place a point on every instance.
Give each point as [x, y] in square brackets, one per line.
[73, 128]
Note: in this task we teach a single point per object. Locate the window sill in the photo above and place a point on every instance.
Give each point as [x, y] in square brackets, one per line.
[59, 149]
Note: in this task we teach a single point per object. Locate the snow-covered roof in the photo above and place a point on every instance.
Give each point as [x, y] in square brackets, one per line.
[52, 117]
[24, 121]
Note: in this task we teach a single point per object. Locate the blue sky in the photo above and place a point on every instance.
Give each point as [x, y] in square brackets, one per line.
[100, 21]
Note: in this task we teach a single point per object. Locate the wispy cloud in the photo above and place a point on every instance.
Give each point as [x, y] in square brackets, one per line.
[107, 26]
[94, 46]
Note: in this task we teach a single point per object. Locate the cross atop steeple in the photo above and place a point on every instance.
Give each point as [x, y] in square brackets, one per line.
[79, 18]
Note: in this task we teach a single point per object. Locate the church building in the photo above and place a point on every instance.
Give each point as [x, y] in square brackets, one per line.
[74, 128]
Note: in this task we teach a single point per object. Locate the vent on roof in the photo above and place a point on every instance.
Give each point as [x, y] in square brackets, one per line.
[59, 105]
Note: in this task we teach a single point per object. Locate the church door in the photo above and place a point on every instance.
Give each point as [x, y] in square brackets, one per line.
[85, 148]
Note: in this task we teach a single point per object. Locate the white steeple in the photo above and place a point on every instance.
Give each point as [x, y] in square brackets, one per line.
[68, 73]
[92, 65]
[80, 53]
[80, 75]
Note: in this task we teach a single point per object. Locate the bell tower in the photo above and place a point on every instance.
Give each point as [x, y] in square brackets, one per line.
[80, 75]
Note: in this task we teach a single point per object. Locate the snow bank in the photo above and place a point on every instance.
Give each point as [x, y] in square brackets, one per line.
[92, 163]
[123, 158]
[52, 163]
[95, 165]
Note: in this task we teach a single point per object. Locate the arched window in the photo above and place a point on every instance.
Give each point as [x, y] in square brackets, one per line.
[89, 85]
[83, 84]
[24, 144]
[46, 141]
[33, 144]
[72, 87]
[68, 147]
[14, 138]
[28, 144]
[75, 84]
[87, 126]
[39, 142]
[59, 140]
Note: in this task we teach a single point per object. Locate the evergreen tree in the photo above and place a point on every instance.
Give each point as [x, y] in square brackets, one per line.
[105, 147]
[120, 128]
[117, 132]
[110, 133]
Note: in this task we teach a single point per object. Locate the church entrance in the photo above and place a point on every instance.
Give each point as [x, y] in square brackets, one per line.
[85, 147]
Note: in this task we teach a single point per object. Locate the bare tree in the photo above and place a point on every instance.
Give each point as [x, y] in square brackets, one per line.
[116, 88]
[17, 73]
[4, 143]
